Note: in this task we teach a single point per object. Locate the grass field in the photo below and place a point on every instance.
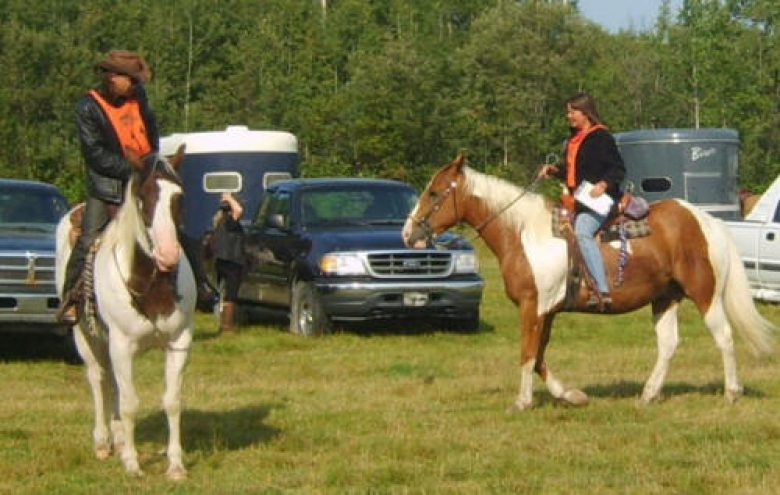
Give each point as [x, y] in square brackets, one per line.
[406, 410]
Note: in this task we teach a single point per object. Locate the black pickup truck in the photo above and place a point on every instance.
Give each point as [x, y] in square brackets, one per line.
[326, 250]
[29, 212]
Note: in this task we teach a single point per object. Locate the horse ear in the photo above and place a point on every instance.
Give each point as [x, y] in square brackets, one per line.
[459, 161]
[176, 159]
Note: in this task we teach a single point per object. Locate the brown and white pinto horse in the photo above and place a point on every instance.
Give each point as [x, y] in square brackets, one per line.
[689, 254]
[144, 297]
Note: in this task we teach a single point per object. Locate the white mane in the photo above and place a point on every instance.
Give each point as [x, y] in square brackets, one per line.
[127, 227]
[529, 213]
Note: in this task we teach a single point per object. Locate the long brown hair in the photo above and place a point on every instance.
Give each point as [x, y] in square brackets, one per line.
[585, 104]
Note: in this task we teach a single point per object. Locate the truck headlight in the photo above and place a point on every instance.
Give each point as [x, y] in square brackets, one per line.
[466, 262]
[342, 264]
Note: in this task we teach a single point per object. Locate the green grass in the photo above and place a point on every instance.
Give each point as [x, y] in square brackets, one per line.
[408, 411]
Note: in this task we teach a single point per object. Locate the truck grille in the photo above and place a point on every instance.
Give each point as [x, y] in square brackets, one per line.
[404, 264]
[31, 273]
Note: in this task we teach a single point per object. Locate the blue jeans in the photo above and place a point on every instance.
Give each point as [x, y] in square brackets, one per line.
[586, 225]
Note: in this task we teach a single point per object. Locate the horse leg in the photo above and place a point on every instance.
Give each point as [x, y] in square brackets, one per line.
[95, 356]
[718, 324]
[571, 396]
[665, 320]
[531, 325]
[122, 361]
[175, 360]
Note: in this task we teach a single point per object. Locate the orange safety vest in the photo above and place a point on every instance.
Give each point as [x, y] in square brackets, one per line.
[127, 123]
[572, 148]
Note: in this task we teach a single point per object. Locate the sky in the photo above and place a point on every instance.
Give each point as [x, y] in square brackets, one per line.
[624, 14]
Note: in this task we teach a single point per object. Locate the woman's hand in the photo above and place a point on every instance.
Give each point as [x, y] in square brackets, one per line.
[547, 170]
[598, 189]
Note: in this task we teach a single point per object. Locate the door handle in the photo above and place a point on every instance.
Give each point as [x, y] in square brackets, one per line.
[770, 236]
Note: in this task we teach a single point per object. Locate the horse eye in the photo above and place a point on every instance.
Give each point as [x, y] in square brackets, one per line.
[433, 194]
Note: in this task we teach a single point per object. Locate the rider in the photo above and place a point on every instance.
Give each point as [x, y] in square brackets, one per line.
[116, 128]
[591, 155]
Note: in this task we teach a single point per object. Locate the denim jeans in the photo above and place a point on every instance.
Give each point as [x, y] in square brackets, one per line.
[586, 225]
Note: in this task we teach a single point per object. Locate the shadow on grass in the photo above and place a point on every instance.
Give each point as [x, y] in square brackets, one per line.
[625, 389]
[209, 431]
[408, 327]
[16, 346]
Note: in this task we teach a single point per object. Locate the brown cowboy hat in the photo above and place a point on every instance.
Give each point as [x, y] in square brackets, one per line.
[127, 63]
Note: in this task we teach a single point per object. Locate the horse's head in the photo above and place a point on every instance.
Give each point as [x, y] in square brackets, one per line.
[157, 191]
[437, 209]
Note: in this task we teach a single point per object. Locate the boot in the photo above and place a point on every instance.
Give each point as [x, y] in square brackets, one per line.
[207, 297]
[68, 310]
[226, 324]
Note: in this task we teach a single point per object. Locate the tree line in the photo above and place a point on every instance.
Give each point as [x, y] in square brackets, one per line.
[392, 88]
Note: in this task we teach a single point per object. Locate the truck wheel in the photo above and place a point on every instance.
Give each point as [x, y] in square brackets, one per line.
[307, 316]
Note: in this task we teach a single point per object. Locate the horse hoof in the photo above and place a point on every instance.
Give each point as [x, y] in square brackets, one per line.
[733, 396]
[176, 473]
[102, 452]
[517, 407]
[575, 397]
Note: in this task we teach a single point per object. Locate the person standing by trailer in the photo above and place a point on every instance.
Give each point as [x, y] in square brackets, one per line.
[229, 257]
[116, 129]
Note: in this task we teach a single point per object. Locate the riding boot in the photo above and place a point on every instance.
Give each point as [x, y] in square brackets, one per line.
[94, 219]
[227, 318]
[207, 295]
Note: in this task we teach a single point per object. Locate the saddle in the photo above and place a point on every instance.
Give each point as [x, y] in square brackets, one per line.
[627, 221]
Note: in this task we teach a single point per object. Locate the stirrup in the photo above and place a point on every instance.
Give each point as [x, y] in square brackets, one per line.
[602, 300]
[67, 312]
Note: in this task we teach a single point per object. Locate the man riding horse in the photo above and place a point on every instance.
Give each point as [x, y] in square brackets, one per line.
[116, 129]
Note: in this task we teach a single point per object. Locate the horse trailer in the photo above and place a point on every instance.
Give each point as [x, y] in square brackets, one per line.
[697, 165]
[236, 160]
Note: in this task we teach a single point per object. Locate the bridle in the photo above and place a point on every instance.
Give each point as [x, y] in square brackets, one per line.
[136, 294]
[435, 206]
[425, 226]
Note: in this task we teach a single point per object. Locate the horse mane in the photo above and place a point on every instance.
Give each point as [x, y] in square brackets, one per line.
[528, 212]
[126, 227]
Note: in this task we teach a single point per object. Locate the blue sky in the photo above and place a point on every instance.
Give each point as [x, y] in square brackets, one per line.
[622, 14]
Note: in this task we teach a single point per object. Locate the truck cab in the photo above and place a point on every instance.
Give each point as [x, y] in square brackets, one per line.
[757, 237]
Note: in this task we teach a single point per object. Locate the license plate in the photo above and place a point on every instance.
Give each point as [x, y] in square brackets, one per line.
[415, 299]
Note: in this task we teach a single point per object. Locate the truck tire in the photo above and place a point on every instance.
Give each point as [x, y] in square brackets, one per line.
[307, 316]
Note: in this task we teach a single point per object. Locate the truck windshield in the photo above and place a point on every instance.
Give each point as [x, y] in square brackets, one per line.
[358, 205]
[27, 206]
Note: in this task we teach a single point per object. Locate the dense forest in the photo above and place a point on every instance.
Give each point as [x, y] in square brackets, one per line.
[392, 87]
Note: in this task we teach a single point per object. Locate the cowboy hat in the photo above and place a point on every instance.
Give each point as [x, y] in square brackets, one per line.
[127, 63]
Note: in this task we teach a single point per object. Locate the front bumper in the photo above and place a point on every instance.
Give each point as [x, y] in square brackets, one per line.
[30, 313]
[367, 300]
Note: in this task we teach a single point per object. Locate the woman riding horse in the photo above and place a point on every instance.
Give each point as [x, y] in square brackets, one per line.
[591, 155]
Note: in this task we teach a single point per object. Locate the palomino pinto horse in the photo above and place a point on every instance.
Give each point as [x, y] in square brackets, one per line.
[144, 295]
[689, 254]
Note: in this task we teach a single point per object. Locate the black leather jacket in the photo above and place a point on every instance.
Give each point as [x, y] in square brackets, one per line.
[107, 169]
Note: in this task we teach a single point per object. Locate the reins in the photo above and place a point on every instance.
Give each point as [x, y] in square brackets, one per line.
[498, 213]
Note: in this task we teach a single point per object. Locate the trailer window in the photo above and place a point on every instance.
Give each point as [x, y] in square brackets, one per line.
[656, 184]
[271, 177]
[219, 182]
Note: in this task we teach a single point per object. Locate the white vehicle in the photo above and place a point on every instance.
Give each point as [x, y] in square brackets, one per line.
[758, 241]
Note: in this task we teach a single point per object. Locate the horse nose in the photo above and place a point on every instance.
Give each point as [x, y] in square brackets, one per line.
[167, 258]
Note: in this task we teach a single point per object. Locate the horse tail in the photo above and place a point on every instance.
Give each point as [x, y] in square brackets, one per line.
[739, 305]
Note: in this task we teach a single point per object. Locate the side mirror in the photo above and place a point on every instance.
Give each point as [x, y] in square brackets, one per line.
[276, 221]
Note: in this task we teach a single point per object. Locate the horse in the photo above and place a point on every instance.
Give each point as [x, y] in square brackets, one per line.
[144, 296]
[688, 254]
